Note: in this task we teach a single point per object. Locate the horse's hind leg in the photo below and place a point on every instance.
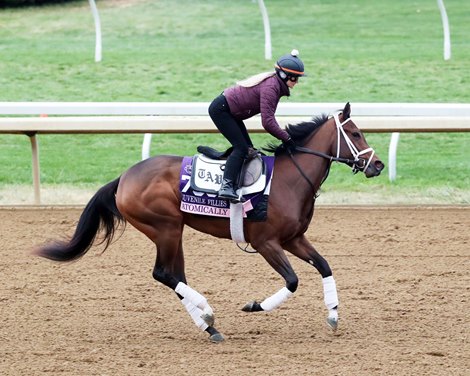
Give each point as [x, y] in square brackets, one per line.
[169, 270]
[202, 320]
[275, 256]
[301, 248]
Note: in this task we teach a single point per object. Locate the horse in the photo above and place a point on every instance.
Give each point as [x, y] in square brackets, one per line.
[148, 197]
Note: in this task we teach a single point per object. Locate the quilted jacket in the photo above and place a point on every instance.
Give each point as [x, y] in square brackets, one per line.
[263, 98]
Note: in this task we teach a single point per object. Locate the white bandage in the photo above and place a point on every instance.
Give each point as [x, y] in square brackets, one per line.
[195, 314]
[276, 300]
[330, 293]
[191, 295]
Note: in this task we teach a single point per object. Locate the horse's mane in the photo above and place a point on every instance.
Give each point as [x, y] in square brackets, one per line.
[298, 132]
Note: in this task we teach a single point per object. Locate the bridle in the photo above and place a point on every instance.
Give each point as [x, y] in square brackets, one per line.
[357, 164]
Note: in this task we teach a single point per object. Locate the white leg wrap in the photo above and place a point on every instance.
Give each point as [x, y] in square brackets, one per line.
[195, 314]
[207, 311]
[276, 300]
[191, 295]
[330, 293]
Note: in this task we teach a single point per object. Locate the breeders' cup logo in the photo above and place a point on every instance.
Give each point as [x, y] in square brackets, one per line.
[188, 169]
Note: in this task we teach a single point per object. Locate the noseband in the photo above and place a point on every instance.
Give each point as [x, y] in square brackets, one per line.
[358, 163]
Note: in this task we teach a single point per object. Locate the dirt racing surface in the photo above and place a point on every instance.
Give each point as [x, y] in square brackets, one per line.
[403, 277]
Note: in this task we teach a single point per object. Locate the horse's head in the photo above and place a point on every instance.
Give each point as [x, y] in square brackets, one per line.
[342, 141]
[352, 148]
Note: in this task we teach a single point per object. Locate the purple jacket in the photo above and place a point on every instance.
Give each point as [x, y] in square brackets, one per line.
[245, 102]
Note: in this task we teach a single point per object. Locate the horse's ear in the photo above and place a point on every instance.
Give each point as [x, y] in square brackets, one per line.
[346, 111]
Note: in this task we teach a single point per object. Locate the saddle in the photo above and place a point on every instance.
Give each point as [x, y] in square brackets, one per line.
[215, 154]
[208, 167]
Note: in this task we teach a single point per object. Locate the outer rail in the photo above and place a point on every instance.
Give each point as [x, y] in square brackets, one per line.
[175, 117]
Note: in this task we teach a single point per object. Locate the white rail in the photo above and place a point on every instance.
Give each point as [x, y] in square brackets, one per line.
[172, 117]
[200, 108]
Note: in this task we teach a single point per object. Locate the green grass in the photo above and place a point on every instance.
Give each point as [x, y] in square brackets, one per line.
[187, 50]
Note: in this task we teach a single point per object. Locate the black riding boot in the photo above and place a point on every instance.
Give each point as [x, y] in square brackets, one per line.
[232, 169]
[227, 190]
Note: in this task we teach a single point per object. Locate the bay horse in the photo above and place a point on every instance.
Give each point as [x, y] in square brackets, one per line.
[148, 197]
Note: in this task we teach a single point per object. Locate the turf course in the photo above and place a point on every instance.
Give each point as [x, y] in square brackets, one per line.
[360, 51]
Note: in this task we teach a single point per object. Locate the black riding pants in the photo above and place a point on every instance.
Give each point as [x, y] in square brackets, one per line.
[234, 131]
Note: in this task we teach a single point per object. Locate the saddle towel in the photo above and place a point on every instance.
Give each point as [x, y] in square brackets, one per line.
[201, 178]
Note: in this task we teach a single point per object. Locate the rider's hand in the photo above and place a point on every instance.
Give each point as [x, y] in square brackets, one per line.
[289, 144]
[252, 152]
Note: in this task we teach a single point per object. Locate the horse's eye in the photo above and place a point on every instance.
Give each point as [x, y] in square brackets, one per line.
[356, 135]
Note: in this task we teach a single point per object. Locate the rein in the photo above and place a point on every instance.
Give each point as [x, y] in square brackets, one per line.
[323, 155]
[318, 154]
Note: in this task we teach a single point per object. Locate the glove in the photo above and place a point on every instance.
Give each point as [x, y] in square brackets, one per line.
[289, 144]
[252, 153]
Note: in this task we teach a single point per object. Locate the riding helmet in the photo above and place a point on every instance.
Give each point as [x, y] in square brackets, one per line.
[290, 65]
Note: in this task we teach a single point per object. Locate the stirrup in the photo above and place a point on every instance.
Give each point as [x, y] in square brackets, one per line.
[228, 195]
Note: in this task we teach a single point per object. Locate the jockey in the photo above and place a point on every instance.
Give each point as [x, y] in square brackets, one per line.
[259, 94]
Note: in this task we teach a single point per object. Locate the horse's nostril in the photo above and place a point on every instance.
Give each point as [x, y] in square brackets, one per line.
[379, 165]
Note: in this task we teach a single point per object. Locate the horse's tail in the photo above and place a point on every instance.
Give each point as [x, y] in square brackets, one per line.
[100, 214]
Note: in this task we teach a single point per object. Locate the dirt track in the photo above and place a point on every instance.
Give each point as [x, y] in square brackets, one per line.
[403, 277]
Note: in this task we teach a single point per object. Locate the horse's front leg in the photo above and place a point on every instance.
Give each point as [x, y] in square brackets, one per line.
[275, 256]
[301, 248]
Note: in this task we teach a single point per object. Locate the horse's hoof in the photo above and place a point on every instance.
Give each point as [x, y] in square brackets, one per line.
[332, 322]
[216, 338]
[248, 307]
[253, 306]
[208, 318]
